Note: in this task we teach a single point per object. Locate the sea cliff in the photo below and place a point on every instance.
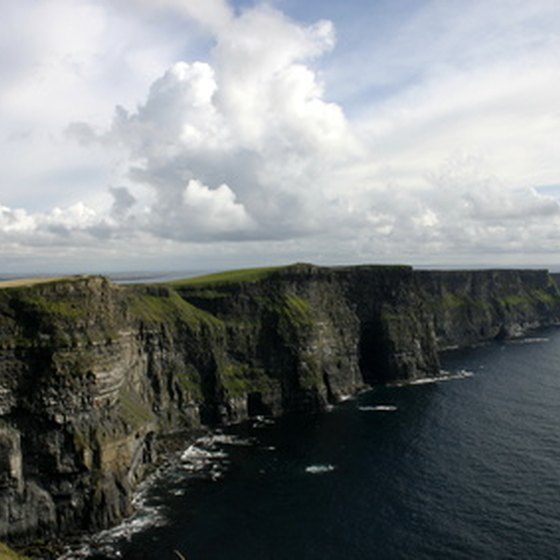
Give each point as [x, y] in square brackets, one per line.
[91, 373]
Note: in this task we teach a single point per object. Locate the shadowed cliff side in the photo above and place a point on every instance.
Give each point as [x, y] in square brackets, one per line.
[473, 306]
[91, 373]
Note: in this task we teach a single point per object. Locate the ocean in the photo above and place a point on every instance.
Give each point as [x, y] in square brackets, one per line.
[463, 468]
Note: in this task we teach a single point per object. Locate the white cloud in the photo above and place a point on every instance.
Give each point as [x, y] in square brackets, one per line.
[204, 211]
[242, 143]
[254, 119]
[216, 14]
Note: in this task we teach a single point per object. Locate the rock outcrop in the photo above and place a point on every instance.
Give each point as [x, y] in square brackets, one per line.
[91, 373]
[470, 307]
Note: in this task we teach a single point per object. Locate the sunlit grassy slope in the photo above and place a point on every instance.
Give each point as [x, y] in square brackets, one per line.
[241, 275]
[8, 554]
[22, 282]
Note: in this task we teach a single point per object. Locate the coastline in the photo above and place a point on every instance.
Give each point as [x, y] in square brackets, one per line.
[94, 375]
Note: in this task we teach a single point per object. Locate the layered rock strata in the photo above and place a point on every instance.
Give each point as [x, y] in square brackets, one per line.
[91, 373]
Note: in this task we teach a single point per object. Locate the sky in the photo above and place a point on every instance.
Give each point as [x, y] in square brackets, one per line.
[211, 134]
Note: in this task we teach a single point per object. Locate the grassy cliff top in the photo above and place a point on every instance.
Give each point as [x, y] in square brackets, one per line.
[44, 280]
[25, 282]
[229, 276]
[247, 275]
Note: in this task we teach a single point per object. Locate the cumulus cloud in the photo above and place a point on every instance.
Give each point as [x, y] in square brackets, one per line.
[254, 119]
[201, 212]
[242, 142]
[18, 225]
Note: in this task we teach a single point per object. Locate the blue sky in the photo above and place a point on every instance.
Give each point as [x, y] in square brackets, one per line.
[180, 134]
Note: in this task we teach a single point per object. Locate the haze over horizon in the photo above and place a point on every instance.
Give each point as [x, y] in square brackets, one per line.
[190, 135]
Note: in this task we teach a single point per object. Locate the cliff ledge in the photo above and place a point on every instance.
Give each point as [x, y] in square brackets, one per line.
[91, 372]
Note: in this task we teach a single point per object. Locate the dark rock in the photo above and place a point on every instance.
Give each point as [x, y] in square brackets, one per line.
[91, 373]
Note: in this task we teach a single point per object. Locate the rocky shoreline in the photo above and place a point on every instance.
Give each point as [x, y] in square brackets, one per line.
[94, 375]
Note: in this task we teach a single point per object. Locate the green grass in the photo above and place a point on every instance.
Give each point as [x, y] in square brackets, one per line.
[239, 379]
[390, 316]
[235, 379]
[529, 298]
[190, 382]
[26, 282]
[228, 276]
[46, 281]
[297, 310]
[60, 308]
[451, 301]
[514, 300]
[168, 306]
[7, 553]
[545, 297]
[43, 298]
[133, 411]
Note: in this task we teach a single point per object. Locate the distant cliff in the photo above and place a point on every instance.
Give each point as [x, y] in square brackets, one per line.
[91, 372]
[469, 307]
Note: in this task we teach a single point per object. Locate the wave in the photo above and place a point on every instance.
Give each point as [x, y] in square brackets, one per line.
[529, 340]
[106, 543]
[319, 469]
[378, 408]
[204, 459]
[443, 376]
[262, 421]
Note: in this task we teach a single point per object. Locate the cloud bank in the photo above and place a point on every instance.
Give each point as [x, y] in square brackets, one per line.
[242, 150]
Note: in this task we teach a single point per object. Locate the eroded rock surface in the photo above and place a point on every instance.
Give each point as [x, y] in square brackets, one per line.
[91, 372]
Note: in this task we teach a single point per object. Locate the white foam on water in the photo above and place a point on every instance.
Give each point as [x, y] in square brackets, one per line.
[444, 376]
[107, 542]
[529, 340]
[205, 458]
[225, 439]
[378, 408]
[319, 469]
[204, 461]
[262, 421]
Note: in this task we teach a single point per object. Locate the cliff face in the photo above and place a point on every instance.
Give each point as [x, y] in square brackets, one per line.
[67, 361]
[469, 307]
[90, 372]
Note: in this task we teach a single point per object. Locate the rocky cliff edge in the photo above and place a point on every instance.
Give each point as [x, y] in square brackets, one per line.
[91, 373]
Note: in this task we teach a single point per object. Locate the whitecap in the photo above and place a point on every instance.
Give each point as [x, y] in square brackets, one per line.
[319, 469]
[443, 376]
[378, 408]
[528, 340]
[225, 439]
[204, 458]
[262, 421]
[107, 542]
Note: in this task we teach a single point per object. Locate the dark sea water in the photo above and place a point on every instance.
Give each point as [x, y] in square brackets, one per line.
[460, 469]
